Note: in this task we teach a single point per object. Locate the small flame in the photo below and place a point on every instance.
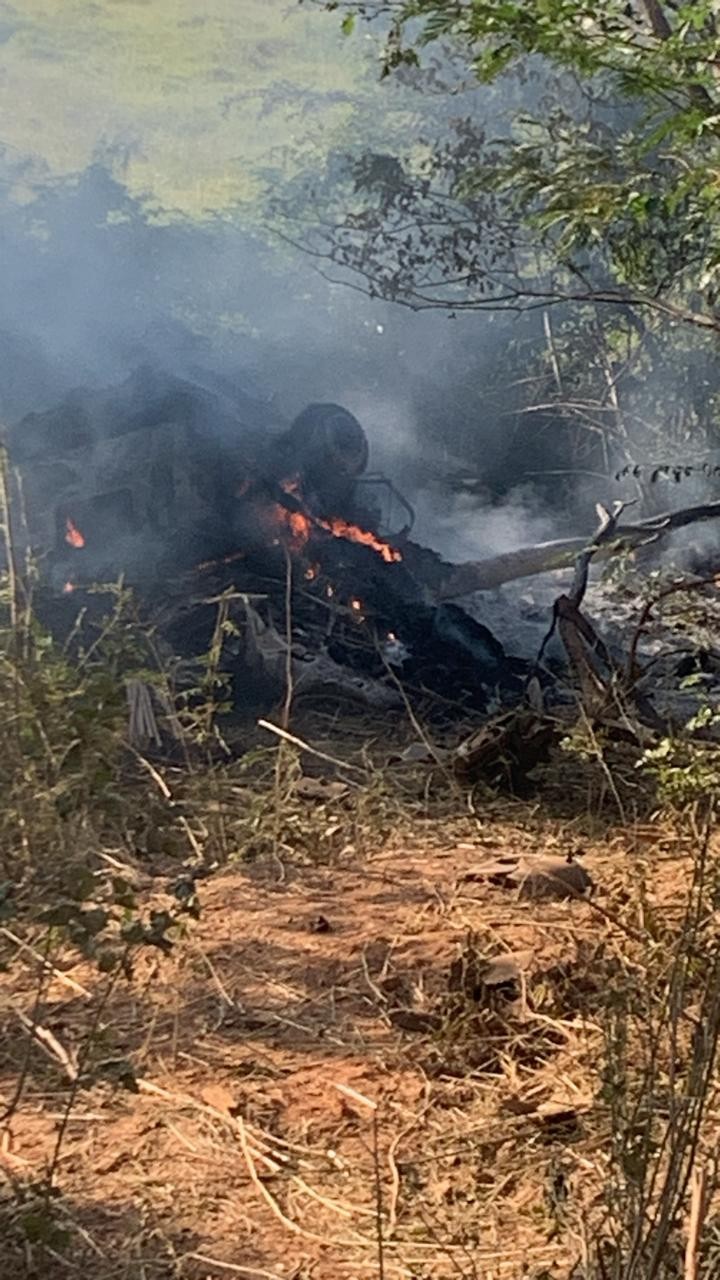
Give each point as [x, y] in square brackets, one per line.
[68, 588]
[73, 536]
[301, 527]
[391, 637]
[343, 529]
[215, 564]
[311, 572]
[356, 605]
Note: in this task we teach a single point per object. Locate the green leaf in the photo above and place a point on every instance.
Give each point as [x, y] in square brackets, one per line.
[123, 893]
[133, 932]
[78, 883]
[121, 1072]
[39, 1227]
[107, 960]
[59, 915]
[93, 921]
[347, 26]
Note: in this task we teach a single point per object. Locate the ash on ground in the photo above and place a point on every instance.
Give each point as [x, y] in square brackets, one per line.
[677, 650]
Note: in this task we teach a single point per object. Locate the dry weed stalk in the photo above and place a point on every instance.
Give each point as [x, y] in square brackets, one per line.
[662, 1040]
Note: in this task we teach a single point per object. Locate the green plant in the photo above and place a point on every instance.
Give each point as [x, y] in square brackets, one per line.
[686, 769]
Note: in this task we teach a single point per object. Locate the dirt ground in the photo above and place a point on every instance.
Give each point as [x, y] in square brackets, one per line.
[325, 1087]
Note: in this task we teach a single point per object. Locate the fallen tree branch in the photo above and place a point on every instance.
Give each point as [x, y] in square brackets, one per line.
[543, 557]
[601, 693]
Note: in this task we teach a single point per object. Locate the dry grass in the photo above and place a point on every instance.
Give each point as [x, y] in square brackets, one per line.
[308, 1066]
[311, 1076]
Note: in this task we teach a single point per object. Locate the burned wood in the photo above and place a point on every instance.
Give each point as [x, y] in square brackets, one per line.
[163, 483]
[602, 694]
[576, 632]
[506, 749]
[266, 656]
[579, 639]
[606, 695]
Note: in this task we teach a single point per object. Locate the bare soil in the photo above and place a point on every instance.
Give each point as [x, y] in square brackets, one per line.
[324, 1087]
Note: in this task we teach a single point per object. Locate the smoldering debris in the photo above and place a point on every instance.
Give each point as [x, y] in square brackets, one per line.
[221, 516]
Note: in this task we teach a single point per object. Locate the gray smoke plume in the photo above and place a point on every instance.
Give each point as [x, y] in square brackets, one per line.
[101, 277]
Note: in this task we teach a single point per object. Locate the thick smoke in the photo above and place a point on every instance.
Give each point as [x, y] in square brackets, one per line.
[96, 285]
[95, 291]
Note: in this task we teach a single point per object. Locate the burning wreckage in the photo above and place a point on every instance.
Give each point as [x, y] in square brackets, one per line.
[189, 494]
[198, 496]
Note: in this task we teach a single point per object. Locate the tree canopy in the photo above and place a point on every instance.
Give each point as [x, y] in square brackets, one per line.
[606, 187]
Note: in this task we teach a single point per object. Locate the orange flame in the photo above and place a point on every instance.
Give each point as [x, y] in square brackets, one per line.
[215, 564]
[301, 527]
[343, 529]
[73, 536]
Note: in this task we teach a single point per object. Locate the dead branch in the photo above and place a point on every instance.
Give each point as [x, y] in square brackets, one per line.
[44, 1037]
[544, 557]
[567, 619]
[305, 746]
[605, 533]
[45, 965]
[685, 584]
[698, 1210]
[593, 689]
